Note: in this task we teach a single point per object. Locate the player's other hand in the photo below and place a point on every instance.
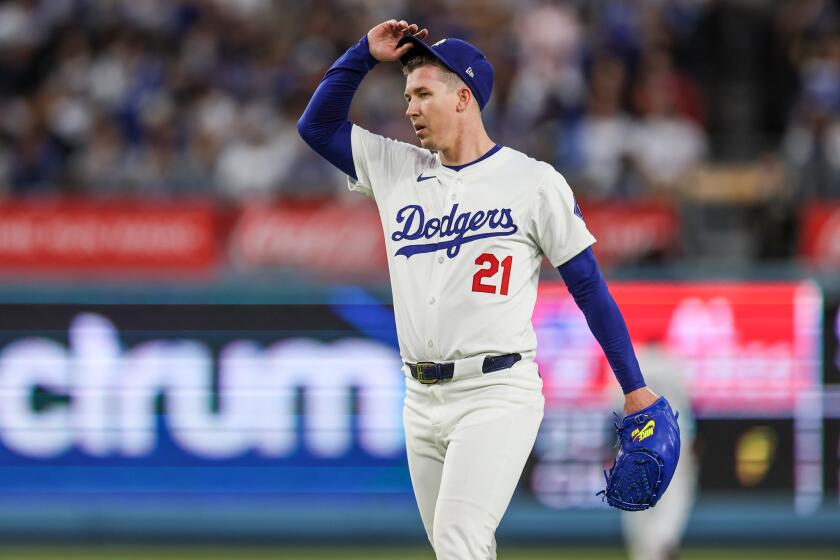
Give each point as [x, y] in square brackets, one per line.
[635, 401]
[383, 39]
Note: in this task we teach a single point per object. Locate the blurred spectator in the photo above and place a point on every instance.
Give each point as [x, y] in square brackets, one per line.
[548, 88]
[100, 166]
[605, 131]
[812, 142]
[157, 166]
[37, 161]
[665, 143]
[18, 24]
[550, 48]
[257, 160]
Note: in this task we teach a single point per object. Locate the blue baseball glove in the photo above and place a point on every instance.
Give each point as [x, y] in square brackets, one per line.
[647, 458]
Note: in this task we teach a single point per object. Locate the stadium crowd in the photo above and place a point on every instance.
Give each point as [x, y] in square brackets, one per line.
[175, 98]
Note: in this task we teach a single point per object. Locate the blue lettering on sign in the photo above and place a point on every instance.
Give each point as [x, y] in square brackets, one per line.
[452, 230]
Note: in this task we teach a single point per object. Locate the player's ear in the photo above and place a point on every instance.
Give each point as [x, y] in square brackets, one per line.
[464, 97]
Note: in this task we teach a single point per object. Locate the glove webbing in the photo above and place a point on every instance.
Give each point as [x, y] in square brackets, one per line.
[637, 483]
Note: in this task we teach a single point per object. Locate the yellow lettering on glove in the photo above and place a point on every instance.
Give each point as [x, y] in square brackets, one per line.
[638, 435]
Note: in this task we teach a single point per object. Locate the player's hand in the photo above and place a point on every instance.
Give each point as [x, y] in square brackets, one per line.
[635, 401]
[383, 39]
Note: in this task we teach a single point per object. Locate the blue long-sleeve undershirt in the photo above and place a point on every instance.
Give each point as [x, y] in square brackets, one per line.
[324, 125]
[587, 286]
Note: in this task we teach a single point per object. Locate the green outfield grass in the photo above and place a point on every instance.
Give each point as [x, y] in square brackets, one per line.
[232, 553]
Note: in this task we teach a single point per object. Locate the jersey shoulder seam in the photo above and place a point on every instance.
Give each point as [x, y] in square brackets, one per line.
[418, 158]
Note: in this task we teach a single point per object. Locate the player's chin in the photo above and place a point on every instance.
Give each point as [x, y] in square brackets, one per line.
[427, 142]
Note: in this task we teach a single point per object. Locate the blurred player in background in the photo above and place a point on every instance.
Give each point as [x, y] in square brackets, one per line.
[656, 533]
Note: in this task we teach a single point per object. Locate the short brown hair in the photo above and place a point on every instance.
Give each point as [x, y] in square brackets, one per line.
[452, 79]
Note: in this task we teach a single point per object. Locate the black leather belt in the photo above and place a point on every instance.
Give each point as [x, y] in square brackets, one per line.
[432, 372]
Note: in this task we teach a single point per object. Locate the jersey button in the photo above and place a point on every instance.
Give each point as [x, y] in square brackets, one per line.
[430, 344]
[440, 260]
[453, 197]
[432, 301]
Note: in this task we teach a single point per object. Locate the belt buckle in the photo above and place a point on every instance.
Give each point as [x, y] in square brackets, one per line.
[423, 379]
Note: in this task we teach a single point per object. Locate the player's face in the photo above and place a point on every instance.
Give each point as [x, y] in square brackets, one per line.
[431, 106]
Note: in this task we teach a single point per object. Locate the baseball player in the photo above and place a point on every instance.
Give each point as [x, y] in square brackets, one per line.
[467, 223]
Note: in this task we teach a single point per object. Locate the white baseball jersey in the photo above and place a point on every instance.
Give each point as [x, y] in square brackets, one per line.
[465, 247]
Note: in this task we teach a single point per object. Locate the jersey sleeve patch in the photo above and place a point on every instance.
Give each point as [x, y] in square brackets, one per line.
[578, 213]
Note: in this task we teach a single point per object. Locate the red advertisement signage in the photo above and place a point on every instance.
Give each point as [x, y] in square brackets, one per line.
[738, 348]
[630, 231]
[346, 239]
[87, 235]
[333, 238]
[820, 239]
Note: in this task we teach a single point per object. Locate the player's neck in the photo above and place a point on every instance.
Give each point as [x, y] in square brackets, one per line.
[467, 148]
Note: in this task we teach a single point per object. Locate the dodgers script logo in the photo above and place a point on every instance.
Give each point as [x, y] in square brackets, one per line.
[458, 227]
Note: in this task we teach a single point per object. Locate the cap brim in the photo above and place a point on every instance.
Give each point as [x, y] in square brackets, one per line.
[421, 48]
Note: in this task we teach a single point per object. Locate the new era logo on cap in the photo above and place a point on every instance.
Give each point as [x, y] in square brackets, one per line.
[462, 58]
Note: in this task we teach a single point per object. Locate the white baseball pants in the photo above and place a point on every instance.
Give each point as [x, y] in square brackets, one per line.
[467, 442]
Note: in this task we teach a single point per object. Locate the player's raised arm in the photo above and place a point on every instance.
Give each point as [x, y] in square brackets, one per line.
[324, 125]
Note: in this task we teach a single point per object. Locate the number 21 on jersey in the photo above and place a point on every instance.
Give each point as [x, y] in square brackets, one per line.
[491, 262]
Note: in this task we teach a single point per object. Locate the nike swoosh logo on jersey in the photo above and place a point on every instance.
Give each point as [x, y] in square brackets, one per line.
[420, 178]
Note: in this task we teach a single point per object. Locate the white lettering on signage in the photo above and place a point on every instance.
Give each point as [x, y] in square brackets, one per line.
[705, 336]
[25, 365]
[113, 392]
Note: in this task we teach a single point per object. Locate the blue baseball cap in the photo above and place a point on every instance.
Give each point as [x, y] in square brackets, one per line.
[462, 58]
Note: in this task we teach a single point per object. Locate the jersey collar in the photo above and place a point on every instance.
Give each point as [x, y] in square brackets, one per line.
[485, 161]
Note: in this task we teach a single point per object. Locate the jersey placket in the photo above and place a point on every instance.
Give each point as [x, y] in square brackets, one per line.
[439, 264]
